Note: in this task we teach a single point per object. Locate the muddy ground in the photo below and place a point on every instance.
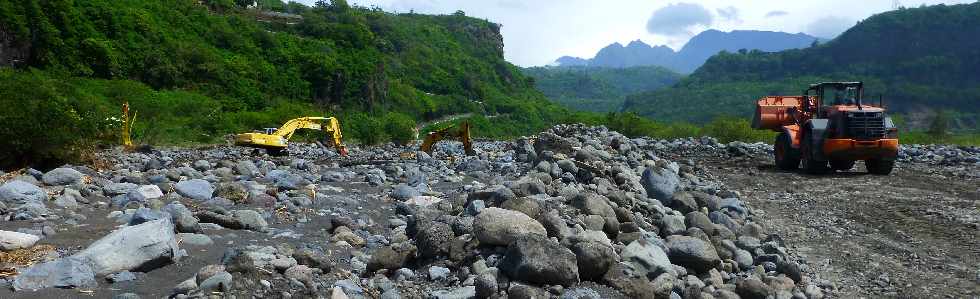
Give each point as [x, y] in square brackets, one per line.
[912, 234]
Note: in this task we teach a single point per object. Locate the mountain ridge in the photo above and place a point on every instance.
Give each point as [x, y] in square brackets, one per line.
[694, 53]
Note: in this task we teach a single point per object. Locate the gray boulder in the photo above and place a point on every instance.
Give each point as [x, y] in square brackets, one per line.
[19, 192]
[458, 293]
[434, 240]
[238, 219]
[62, 176]
[660, 184]
[59, 273]
[692, 253]
[197, 189]
[648, 256]
[495, 226]
[143, 215]
[144, 193]
[404, 192]
[114, 189]
[139, 247]
[535, 259]
[14, 240]
[594, 259]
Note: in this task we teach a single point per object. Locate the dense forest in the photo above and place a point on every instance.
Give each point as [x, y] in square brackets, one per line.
[919, 60]
[196, 71]
[598, 89]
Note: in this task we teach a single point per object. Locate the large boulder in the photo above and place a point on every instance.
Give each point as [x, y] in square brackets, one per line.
[140, 247]
[535, 259]
[692, 253]
[434, 240]
[144, 193]
[660, 184]
[113, 189]
[62, 176]
[13, 240]
[195, 189]
[404, 192]
[594, 259]
[19, 192]
[647, 255]
[238, 219]
[495, 226]
[59, 273]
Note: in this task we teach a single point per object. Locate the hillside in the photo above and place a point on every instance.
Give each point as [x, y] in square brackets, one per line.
[198, 70]
[598, 89]
[694, 53]
[918, 59]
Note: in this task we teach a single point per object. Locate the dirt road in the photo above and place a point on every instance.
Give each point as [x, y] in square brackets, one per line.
[913, 234]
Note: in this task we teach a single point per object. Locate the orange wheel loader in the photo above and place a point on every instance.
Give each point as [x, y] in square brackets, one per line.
[828, 128]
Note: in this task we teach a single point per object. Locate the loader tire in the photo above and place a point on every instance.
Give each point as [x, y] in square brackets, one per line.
[810, 165]
[879, 166]
[841, 165]
[785, 156]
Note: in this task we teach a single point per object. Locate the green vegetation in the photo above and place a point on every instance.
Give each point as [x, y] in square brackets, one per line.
[918, 59]
[598, 89]
[198, 70]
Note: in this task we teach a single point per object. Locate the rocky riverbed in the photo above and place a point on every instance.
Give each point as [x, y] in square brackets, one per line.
[574, 212]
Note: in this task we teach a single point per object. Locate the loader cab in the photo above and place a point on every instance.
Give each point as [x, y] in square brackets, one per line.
[831, 97]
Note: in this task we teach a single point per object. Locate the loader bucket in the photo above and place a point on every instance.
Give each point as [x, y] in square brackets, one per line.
[772, 112]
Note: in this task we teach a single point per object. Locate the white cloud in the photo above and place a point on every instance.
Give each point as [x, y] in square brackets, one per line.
[776, 13]
[829, 26]
[730, 13]
[678, 19]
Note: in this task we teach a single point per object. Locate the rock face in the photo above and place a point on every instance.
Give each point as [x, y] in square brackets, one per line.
[13, 240]
[495, 226]
[692, 253]
[17, 191]
[62, 176]
[535, 259]
[196, 189]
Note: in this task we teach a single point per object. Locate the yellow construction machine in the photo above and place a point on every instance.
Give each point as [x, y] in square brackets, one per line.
[274, 140]
[127, 127]
[459, 132]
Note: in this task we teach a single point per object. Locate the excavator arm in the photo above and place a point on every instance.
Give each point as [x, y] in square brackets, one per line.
[460, 132]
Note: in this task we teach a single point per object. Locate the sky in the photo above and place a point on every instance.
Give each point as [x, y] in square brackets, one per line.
[536, 32]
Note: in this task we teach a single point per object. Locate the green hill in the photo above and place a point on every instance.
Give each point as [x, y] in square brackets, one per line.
[918, 59]
[198, 70]
[598, 89]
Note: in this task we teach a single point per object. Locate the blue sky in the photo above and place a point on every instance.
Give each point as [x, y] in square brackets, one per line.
[539, 31]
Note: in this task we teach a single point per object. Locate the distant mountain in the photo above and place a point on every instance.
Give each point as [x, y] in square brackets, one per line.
[598, 89]
[694, 53]
[918, 59]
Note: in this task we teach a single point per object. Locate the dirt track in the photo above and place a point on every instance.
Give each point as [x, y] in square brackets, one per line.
[914, 234]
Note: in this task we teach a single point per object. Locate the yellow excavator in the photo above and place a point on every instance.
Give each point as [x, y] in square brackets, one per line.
[459, 132]
[274, 140]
